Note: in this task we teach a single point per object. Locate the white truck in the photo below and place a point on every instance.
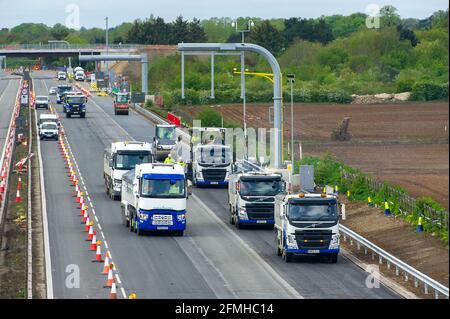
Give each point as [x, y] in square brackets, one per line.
[154, 198]
[119, 159]
[211, 159]
[307, 224]
[79, 75]
[251, 198]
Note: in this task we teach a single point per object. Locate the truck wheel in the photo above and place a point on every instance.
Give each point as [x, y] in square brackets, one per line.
[83, 115]
[287, 257]
[179, 233]
[277, 245]
[68, 115]
[237, 224]
[333, 258]
[139, 231]
[131, 223]
[127, 113]
[115, 112]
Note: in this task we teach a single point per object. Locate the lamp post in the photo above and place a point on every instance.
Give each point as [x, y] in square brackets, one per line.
[68, 45]
[291, 80]
[250, 24]
[106, 42]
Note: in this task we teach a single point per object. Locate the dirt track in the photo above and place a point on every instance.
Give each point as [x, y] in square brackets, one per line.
[406, 143]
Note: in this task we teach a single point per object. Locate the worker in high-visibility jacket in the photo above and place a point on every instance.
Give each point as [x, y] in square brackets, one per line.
[169, 160]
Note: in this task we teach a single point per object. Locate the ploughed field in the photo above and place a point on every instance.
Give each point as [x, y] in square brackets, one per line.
[404, 143]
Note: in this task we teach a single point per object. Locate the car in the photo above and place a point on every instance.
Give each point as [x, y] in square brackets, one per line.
[52, 90]
[48, 130]
[102, 93]
[41, 101]
[62, 75]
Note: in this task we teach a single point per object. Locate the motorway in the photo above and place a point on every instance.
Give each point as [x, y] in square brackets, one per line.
[212, 260]
[9, 85]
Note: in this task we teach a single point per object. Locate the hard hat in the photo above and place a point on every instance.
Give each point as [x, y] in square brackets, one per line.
[170, 155]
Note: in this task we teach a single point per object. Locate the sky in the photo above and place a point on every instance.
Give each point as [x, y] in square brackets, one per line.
[93, 12]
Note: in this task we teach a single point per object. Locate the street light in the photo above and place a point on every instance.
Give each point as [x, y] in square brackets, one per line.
[106, 41]
[68, 45]
[291, 80]
[250, 25]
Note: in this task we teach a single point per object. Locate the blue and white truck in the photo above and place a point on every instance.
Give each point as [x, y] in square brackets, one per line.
[307, 224]
[154, 198]
[75, 104]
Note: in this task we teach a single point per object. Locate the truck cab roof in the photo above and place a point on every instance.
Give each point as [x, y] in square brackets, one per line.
[131, 146]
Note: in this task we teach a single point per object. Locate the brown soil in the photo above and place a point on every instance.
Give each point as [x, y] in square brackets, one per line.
[404, 143]
[420, 250]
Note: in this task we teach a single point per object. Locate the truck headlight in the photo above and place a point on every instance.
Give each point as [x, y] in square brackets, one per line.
[291, 241]
[160, 147]
[243, 214]
[143, 216]
[335, 241]
[181, 217]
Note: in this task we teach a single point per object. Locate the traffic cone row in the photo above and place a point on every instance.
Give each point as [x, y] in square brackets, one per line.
[88, 224]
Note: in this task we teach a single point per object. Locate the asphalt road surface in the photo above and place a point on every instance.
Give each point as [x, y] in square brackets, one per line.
[9, 86]
[212, 260]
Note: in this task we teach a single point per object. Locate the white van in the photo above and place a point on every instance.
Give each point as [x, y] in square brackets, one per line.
[47, 117]
[79, 75]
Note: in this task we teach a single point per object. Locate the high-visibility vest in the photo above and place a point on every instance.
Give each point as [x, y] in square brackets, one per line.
[169, 160]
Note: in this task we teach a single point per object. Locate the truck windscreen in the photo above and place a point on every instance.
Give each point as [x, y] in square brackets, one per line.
[62, 89]
[215, 155]
[122, 98]
[76, 99]
[312, 212]
[165, 133]
[163, 188]
[127, 161]
[260, 187]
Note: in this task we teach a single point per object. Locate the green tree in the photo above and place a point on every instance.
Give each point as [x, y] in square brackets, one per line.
[59, 31]
[389, 16]
[269, 37]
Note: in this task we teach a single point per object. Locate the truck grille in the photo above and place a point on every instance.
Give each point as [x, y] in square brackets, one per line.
[313, 239]
[214, 175]
[264, 211]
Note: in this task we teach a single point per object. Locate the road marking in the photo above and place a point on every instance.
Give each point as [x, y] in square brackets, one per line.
[252, 252]
[86, 191]
[48, 263]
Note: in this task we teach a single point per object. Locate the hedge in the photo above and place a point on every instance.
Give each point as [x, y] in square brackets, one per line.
[428, 91]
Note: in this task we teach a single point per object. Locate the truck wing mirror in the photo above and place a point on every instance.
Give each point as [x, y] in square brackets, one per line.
[189, 188]
[110, 162]
[342, 213]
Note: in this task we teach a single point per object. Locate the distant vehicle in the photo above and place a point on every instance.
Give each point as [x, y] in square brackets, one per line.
[41, 101]
[121, 103]
[52, 90]
[48, 130]
[79, 75]
[60, 91]
[307, 224]
[78, 68]
[251, 198]
[119, 159]
[64, 95]
[62, 75]
[154, 198]
[75, 104]
[211, 159]
[163, 141]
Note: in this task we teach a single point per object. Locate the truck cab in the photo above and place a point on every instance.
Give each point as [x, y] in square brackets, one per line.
[164, 141]
[121, 103]
[41, 101]
[211, 159]
[251, 198]
[154, 198]
[60, 91]
[120, 158]
[307, 224]
[48, 130]
[79, 75]
[75, 104]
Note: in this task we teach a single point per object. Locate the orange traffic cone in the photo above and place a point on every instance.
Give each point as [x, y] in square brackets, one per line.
[86, 225]
[106, 265]
[98, 253]
[19, 183]
[2, 185]
[113, 294]
[110, 279]
[83, 210]
[85, 217]
[90, 233]
[18, 198]
[93, 243]
[81, 201]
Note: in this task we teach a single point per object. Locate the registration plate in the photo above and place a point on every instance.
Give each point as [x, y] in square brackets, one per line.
[214, 183]
[261, 221]
[162, 228]
[313, 251]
